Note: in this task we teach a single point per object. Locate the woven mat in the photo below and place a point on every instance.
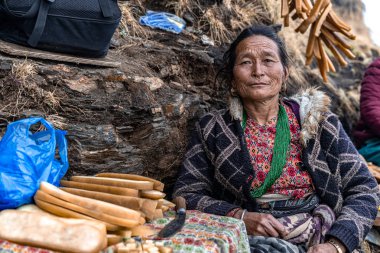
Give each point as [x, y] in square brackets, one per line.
[17, 50]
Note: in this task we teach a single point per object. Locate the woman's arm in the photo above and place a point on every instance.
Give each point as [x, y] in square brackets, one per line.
[358, 187]
[195, 181]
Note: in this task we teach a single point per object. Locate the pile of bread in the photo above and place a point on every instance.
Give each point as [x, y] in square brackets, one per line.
[93, 212]
[326, 29]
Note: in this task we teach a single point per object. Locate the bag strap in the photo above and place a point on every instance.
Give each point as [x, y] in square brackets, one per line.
[106, 8]
[39, 26]
[32, 12]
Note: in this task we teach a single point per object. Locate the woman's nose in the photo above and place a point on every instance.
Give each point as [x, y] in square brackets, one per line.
[257, 69]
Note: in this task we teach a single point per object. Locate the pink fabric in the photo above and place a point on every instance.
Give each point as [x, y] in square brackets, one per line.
[369, 124]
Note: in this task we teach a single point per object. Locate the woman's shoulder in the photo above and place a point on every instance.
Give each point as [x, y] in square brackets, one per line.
[313, 108]
[214, 116]
[312, 104]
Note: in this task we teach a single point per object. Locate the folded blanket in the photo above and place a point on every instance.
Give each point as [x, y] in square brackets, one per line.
[307, 228]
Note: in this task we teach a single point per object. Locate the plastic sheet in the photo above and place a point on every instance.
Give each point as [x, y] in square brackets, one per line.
[163, 20]
[28, 158]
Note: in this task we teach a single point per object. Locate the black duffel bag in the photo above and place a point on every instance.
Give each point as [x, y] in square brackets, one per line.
[79, 27]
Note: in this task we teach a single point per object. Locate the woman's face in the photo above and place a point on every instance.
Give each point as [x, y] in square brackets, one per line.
[258, 73]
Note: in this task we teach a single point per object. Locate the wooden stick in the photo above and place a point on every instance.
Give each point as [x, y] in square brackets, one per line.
[298, 6]
[346, 51]
[284, 8]
[310, 43]
[322, 19]
[324, 60]
[335, 39]
[286, 21]
[316, 51]
[328, 25]
[319, 4]
[331, 65]
[308, 5]
[339, 21]
[341, 41]
[333, 50]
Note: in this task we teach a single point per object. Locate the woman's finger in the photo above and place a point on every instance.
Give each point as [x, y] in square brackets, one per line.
[271, 231]
[261, 231]
[279, 227]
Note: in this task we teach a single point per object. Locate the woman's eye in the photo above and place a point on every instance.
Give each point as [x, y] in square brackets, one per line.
[268, 60]
[245, 62]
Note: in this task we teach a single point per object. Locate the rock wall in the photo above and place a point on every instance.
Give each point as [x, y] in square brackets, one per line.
[137, 118]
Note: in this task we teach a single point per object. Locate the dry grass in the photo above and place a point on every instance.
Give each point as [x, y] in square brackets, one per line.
[22, 92]
[180, 7]
[223, 22]
[23, 70]
[57, 121]
[245, 14]
[129, 25]
[212, 21]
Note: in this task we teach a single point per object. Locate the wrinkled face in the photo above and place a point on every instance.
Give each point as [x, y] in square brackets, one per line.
[258, 72]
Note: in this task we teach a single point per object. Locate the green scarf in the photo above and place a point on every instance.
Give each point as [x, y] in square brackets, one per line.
[280, 149]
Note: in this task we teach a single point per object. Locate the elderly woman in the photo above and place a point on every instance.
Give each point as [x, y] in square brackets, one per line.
[285, 166]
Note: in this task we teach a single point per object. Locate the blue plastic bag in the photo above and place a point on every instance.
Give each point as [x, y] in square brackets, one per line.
[163, 20]
[28, 158]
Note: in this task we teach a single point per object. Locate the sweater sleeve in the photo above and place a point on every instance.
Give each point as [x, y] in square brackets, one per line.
[370, 98]
[195, 181]
[358, 187]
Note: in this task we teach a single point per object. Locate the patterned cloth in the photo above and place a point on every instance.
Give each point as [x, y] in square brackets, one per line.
[205, 233]
[309, 229]
[217, 163]
[8, 247]
[202, 233]
[293, 181]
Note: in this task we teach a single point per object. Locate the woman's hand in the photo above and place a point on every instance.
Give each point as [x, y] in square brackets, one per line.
[322, 248]
[263, 224]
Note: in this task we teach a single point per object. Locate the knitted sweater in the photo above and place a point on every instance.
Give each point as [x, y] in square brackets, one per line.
[369, 123]
[213, 176]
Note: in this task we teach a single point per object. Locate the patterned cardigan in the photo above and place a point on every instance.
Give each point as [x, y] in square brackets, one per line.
[217, 164]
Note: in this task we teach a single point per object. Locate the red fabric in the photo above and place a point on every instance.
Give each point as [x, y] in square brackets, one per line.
[369, 123]
[293, 181]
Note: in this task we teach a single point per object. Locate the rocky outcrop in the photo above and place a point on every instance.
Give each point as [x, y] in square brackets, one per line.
[137, 118]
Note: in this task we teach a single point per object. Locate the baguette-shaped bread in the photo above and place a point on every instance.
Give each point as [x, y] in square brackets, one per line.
[31, 208]
[113, 239]
[168, 203]
[40, 195]
[34, 208]
[143, 231]
[91, 204]
[101, 188]
[66, 213]
[41, 230]
[158, 214]
[157, 185]
[134, 184]
[146, 206]
[125, 233]
[152, 194]
[125, 201]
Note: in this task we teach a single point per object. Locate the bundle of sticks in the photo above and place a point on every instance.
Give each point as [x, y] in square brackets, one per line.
[326, 29]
